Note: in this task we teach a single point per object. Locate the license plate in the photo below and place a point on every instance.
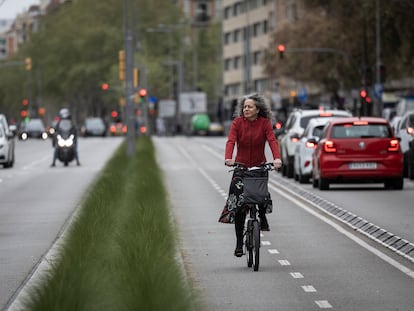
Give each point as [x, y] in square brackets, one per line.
[363, 166]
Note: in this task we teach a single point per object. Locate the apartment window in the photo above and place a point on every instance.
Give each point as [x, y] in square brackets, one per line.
[227, 38]
[256, 57]
[227, 64]
[236, 35]
[227, 12]
[237, 62]
[237, 8]
[261, 85]
[256, 29]
[265, 26]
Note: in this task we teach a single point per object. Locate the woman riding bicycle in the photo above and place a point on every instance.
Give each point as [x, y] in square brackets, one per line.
[249, 132]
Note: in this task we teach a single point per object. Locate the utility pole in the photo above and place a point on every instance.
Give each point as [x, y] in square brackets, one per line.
[129, 75]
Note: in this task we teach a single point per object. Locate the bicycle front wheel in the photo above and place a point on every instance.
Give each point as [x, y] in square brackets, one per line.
[256, 245]
[248, 243]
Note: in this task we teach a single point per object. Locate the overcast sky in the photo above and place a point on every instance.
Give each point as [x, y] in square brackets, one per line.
[10, 8]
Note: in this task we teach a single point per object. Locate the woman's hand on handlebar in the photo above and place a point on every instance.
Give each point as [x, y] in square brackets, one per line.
[277, 163]
[229, 162]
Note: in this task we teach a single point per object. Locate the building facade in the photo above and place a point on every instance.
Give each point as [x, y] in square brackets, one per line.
[247, 31]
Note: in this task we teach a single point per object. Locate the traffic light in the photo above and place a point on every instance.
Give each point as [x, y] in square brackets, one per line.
[368, 76]
[281, 48]
[28, 63]
[114, 114]
[136, 77]
[363, 93]
[121, 55]
[24, 111]
[142, 95]
[105, 86]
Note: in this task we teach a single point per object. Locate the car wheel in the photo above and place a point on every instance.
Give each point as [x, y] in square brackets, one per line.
[303, 179]
[289, 169]
[394, 183]
[323, 184]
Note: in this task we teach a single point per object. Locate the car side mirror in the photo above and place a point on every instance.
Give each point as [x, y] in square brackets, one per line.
[13, 129]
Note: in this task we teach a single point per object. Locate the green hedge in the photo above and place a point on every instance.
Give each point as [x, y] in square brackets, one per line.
[121, 251]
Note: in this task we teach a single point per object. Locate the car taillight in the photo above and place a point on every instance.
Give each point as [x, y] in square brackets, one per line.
[394, 145]
[112, 129]
[310, 145]
[410, 130]
[329, 146]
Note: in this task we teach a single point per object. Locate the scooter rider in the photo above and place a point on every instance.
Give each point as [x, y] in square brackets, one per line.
[65, 116]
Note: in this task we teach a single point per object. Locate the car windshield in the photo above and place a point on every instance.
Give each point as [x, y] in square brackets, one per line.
[305, 120]
[94, 122]
[360, 131]
[35, 125]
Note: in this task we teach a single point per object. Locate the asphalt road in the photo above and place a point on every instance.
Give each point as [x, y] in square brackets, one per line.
[308, 260]
[37, 200]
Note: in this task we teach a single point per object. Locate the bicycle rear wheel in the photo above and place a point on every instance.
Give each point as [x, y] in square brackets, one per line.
[256, 245]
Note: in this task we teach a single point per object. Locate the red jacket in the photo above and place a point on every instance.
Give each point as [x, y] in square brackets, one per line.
[250, 138]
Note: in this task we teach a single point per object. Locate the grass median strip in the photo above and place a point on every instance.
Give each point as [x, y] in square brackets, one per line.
[120, 252]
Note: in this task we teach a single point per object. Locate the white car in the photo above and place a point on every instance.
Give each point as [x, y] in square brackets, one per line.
[6, 148]
[302, 164]
[404, 131]
[295, 125]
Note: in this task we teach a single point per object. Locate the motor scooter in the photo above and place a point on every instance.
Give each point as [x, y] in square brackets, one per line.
[65, 147]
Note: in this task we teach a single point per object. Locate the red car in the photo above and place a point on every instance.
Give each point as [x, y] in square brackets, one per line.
[357, 150]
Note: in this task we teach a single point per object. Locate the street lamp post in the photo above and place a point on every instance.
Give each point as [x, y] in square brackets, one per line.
[129, 64]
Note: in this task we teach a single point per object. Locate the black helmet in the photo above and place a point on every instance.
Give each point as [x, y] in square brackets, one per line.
[64, 113]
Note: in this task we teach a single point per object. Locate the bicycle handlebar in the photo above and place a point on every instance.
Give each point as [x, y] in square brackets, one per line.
[264, 166]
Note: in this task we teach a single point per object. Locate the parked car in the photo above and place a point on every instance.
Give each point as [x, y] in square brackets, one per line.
[295, 125]
[215, 129]
[357, 150]
[200, 123]
[93, 126]
[302, 164]
[6, 147]
[410, 156]
[404, 105]
[405, 132]
[33, 129]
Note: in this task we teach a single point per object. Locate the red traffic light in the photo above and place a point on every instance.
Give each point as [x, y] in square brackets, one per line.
[114, 113]
[281, 49]
[23, 113]
[25, 101]
[142, 92]
[363, 93]
[105, 86]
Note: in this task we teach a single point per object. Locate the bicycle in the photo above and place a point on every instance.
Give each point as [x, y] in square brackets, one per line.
[255, 193]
